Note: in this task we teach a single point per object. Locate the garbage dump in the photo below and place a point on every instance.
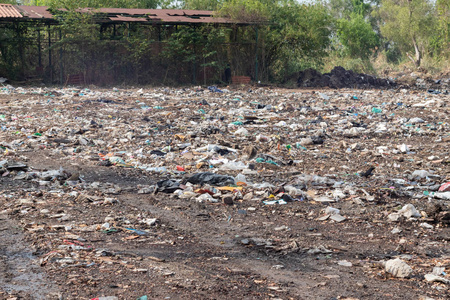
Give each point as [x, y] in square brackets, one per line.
[225, 192]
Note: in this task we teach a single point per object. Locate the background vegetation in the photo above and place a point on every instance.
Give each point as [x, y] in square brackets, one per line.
[287, 36]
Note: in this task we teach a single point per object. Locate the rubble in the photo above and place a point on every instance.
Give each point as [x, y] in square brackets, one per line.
[196, 192]
[434, 278]
[398, 268]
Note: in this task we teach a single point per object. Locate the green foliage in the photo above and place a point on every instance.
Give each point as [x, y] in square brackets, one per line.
[298, 36]
[361, 8]
[356, 64]
[137, 47]
[294, 35]
[357, 36]
[188, 43]
[169, 4]
[440, 40]
[9, 1]
[408, 24]
[12, 47]
[393, 54]
[36, 2]
[203, 4]
[70, 4]
[74, 25]
[344, 8]
[182, 44]
[192, 47]
[252, 11]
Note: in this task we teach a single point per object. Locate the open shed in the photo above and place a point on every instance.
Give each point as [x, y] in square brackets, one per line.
[36, 34]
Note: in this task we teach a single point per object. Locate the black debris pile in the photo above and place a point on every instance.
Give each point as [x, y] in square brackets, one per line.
[340, 78]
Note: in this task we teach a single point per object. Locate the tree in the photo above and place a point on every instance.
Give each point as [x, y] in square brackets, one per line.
[355, 27]
[292, 36]
[249, 11]
[344, 8]
[203, 4]
[190, 45]
[357, 36]
[298, 36]
[441, 38]
[409, 24]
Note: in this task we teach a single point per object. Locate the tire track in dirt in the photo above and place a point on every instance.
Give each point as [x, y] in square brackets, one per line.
[303, 277]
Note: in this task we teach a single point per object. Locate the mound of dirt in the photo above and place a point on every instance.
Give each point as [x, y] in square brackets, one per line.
[340, 78]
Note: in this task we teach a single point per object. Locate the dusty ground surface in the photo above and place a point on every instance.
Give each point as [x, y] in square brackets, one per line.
[80, 215]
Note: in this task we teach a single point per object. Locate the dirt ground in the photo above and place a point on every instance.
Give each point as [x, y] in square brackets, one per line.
[96, 225]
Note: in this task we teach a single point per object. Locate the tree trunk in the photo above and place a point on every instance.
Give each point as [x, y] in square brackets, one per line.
[417, 51]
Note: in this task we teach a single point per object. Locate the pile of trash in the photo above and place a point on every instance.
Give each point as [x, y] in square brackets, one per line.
[341, 78]
[285, 163]
[235, 133]
[438, 84]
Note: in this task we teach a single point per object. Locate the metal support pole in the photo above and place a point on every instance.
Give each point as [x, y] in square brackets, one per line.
[159, 44]
[256, 55]
[194, 78]
[21, 50]
[61, 65]
[39, 48]
[50, 54]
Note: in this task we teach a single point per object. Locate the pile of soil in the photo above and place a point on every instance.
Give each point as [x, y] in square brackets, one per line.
[340, 78]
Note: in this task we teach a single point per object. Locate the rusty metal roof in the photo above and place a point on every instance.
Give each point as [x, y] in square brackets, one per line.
[117, 15]
[35, 12]
[160, 15]
[9, 11]
[127, 19]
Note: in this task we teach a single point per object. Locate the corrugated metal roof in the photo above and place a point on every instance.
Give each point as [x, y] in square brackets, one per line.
[128, 19]
[9, 11]
[35, 12]
[162, 15]
[166, 16]
[139, 11]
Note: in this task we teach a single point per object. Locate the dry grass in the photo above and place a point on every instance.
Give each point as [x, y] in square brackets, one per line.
[356, 64]
[380, 66]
